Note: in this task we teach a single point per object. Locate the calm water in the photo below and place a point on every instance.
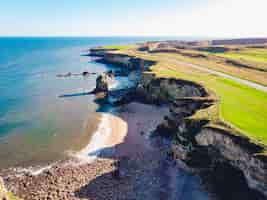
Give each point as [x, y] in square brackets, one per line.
[36, 126]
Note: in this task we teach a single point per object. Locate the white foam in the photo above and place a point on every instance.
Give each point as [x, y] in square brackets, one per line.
[113, 84]
[39, 171]
[101, 136]
[97, 142]
[34, 171]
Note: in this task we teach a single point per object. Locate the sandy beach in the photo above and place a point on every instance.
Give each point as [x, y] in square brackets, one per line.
[111, 131]
[146, 172]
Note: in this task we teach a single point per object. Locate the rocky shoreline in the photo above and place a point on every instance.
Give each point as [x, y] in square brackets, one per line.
[226, 163]
[137, 168]
[207, 150]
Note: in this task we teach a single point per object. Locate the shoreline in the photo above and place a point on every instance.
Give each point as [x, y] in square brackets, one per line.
[111, 131]
[101, 136]
[119, 153]
[143, 162]
[122, 161]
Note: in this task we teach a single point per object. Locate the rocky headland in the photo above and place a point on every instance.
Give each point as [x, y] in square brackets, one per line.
[228, 163]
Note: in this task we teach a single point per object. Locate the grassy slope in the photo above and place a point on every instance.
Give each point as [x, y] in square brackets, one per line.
[251, 54]
[242, 107]
[247, 74]
[119, 47]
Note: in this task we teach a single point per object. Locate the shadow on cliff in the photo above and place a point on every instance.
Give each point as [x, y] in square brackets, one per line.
[131, 174]
[151, 176]
[76, 94]
[133, 178]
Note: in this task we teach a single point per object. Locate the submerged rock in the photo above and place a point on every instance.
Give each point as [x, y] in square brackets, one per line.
[85, 73]
[64, 75]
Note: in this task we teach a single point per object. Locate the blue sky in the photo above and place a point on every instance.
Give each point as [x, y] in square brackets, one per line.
[215, 18]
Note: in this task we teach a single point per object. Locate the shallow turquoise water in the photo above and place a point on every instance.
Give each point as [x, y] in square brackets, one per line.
[36, 126]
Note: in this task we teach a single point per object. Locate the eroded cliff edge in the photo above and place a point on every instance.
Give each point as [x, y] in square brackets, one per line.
[219, 153]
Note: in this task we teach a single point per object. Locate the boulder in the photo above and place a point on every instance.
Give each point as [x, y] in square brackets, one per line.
[102, 83]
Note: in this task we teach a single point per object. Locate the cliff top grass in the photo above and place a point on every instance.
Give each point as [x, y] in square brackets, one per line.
[119, 47]
[241, 109]
[248, 54]
[212, 61]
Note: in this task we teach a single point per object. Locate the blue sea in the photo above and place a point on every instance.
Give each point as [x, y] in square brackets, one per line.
[36, 125]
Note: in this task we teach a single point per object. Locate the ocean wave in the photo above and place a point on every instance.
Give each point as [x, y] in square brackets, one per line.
[97, 142]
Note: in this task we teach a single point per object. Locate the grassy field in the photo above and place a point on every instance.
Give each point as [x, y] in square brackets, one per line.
[247, 54]
[242, 107]
[119, 47]
[244, 73]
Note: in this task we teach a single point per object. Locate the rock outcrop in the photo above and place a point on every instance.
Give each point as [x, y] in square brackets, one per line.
[102, 83]
[162, 90]
[99, 52]
[127, 62]
[224, 155]
[240, 153]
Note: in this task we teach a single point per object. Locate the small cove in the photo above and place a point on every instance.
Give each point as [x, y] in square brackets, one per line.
[36, 125]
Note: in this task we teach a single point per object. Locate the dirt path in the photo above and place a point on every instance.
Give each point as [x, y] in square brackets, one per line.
[239, 80]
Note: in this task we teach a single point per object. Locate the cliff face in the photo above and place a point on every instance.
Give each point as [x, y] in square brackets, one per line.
[99, 52]
[200, 147]
[163, 90]
[130, 63]
[239, 152]
[223, 155]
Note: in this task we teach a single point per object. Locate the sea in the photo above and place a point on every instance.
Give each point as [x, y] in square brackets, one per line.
[44, 117]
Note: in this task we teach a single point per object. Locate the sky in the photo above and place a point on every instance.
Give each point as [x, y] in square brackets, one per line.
[204, 18]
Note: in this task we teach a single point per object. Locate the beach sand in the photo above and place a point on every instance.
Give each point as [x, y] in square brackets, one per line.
[145, 170]
[141, 120]
[111, 131]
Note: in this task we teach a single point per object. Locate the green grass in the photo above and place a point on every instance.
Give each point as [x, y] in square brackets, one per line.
[12, 196]
[252, 55]
[259, 77]
[119, 47]
[243, 107]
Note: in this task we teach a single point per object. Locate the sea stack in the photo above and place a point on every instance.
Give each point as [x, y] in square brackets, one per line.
[102, 83]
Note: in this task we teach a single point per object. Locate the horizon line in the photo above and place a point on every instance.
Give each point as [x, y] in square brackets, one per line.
[129, 36]
[188, 36]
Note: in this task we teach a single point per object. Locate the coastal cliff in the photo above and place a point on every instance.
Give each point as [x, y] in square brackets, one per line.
[222, 156]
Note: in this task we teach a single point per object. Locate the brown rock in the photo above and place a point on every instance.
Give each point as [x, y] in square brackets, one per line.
[102, 83]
